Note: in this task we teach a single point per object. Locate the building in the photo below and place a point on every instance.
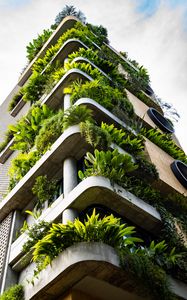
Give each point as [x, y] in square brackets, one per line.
[89, 79]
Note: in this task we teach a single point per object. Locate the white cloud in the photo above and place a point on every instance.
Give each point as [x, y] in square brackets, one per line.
[158, 42]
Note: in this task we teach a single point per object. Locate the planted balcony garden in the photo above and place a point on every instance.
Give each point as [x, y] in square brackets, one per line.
[143, 262]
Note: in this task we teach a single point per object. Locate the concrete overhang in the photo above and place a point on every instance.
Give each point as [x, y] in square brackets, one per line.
[80, 263]
[67, 48]
[95, 190]
[66, 24]
[69, 142]
[5, 153]
[55, 98]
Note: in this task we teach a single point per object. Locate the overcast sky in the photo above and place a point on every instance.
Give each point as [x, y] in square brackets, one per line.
[154, 32]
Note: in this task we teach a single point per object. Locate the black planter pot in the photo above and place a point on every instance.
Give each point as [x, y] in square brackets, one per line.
[180, 171]
[160, 120]
[149, 91]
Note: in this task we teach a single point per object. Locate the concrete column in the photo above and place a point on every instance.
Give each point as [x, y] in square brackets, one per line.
[69, 214]
[67, 101]
[69, 182]
[69, 175]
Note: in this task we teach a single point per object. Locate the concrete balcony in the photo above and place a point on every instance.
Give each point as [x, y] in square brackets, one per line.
[69, 142]
[6, 152]
[99, 191]
[91, 267]
[66, 24]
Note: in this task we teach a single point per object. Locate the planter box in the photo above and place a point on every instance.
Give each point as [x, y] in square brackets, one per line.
[5, 153]
[88, 266]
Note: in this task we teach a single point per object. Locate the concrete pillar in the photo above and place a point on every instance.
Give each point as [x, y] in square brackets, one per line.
[69, 182]
[67, 101]
[69, 214]
[69, 175]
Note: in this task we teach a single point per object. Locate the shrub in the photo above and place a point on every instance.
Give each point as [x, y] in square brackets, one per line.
[110, 164]
[13, 293]
[165, 142]
[108, 230]
[50, 131]
[44, 189]
[34, 46]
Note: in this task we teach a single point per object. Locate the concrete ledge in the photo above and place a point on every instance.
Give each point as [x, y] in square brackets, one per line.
[69, 142]
[55, 98]
[66, 24]
[103, 114]
[97, 190]
[76, 263]
[85, 60]
[17, 108]
[5, 153]
[68, 47]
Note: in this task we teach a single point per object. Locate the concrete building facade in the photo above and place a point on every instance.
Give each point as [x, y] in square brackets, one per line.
[84, 270]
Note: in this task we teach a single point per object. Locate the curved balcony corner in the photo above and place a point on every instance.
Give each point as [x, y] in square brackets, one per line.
[66, 24]
[55, 98]
[81, 265]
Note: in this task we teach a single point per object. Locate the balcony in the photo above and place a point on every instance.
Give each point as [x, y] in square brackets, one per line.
[87, 266]
[66, 24]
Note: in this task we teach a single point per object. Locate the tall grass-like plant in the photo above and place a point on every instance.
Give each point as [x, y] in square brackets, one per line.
[165, 142]
[75, 115]
[110, 164]
[108, 230]
[28, 127]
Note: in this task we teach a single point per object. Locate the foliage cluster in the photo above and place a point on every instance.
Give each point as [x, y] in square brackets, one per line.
[165, 142]
[44, 189]
[108, 230]
[15, 292]
[20, 165]
[37, 43]
[110, 164]
[8, 137]
[27, 128]
[35, 233]
[107, 96]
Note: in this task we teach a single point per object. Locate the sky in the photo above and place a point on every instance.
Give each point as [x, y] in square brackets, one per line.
[153, 32]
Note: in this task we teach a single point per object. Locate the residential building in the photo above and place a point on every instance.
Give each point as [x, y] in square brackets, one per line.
[95, 87]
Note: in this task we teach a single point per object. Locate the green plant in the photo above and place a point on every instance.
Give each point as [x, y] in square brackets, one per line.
[75, 115]
[16, 98]
[165, 142]
[28, 127]
[20, 165]
[143, 270]
[146, 168]
[104, 94]
[44, 189]
[127, 140]
[95, 135]
[69, 10]
[35, 87]
[100, 31]
[8, 137]
[110, 164]
[50, 131]
[35, 233]
[15, 292]
[93, 56]
[108, 230]
[37, 43]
